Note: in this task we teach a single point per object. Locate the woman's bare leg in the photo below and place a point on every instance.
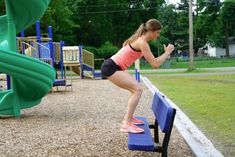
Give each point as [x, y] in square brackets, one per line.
[126, 81]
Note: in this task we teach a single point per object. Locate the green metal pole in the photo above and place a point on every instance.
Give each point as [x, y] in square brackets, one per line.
[11, 27]
[11, 39]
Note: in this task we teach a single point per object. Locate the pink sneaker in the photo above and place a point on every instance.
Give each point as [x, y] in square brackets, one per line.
[130, 128]
[136, 121]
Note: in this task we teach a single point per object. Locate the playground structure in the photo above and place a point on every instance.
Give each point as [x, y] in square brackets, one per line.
[44, 49]
[30, 78]
[77, 59]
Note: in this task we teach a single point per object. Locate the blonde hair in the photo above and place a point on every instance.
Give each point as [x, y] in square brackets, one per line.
[150, 25]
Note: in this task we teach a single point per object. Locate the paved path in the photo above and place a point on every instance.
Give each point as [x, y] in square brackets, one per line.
[173, 72]
[190, 74]
[184, 69]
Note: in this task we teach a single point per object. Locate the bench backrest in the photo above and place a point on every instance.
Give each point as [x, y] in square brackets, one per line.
[164, 112]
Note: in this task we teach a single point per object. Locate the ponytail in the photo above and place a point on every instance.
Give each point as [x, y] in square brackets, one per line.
[150, 25]
[140, 31]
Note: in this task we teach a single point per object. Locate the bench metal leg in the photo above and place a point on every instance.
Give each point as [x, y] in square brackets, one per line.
[164, 154]
[156, 134]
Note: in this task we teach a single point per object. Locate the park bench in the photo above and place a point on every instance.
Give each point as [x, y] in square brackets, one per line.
[164, 117]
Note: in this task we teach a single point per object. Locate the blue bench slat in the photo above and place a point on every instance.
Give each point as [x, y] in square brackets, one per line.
[97, 74]
[143, 141]
[163, 112]
[61, 82]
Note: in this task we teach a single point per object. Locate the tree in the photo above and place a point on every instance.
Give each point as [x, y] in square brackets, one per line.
[228, 21]
[168, 17]
[95, 28]
[112, 20]
[58, 15]
[205, 21]
[182, 27]
[223, 22]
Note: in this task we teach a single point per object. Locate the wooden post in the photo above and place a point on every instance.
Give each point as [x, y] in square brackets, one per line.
[191, 53]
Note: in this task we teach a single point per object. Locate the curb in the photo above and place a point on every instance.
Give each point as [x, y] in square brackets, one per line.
[197, 141]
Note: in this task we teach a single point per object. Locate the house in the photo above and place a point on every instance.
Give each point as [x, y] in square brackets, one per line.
[218, 52]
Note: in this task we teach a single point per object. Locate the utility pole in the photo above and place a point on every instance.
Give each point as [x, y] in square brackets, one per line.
[191, 53]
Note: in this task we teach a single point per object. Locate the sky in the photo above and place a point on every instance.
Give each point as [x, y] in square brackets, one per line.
[178, 1]
[173, 1]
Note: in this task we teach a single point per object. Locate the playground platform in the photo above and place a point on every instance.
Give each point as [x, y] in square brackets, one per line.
[84, 122]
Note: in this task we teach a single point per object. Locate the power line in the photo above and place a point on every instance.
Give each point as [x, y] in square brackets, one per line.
[102, 5]
[115, 11]
[105, 5]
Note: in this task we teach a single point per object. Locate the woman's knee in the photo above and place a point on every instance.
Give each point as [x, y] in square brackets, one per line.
[138, 89]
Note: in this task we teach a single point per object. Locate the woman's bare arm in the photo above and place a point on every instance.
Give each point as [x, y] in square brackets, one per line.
[148, 55]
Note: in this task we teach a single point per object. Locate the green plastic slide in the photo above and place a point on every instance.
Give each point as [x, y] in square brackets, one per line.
[31, 79]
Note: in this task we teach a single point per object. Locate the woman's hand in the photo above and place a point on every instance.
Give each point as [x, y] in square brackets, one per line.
[169, 49]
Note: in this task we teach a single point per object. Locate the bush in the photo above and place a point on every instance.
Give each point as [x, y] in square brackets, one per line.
[107, 50]
[92, 50]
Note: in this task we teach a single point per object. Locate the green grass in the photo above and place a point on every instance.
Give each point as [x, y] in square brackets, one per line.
[209, 101]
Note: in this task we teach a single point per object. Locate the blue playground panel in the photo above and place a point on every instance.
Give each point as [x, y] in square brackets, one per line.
[97, 75]
[44, 53]
[61, 82]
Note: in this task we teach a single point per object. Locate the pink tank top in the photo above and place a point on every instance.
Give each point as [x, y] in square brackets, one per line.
[126, 56]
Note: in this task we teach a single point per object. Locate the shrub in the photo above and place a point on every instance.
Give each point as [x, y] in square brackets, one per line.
[107, 50]
[92, 50]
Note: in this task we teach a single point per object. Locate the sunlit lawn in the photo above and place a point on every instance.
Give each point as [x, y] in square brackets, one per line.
[209, 101]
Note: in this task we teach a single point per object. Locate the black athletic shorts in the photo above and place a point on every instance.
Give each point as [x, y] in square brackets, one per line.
[108, 68]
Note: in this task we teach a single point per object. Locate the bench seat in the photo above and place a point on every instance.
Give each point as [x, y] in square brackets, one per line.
[142, 141]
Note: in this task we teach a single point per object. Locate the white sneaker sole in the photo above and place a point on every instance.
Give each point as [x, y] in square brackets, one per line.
[127, 131]
[134, 123]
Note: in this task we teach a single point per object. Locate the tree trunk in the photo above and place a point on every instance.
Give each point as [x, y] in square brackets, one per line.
[226, 41]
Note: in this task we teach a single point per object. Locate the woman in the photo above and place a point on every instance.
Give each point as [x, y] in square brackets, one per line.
[134, 48]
